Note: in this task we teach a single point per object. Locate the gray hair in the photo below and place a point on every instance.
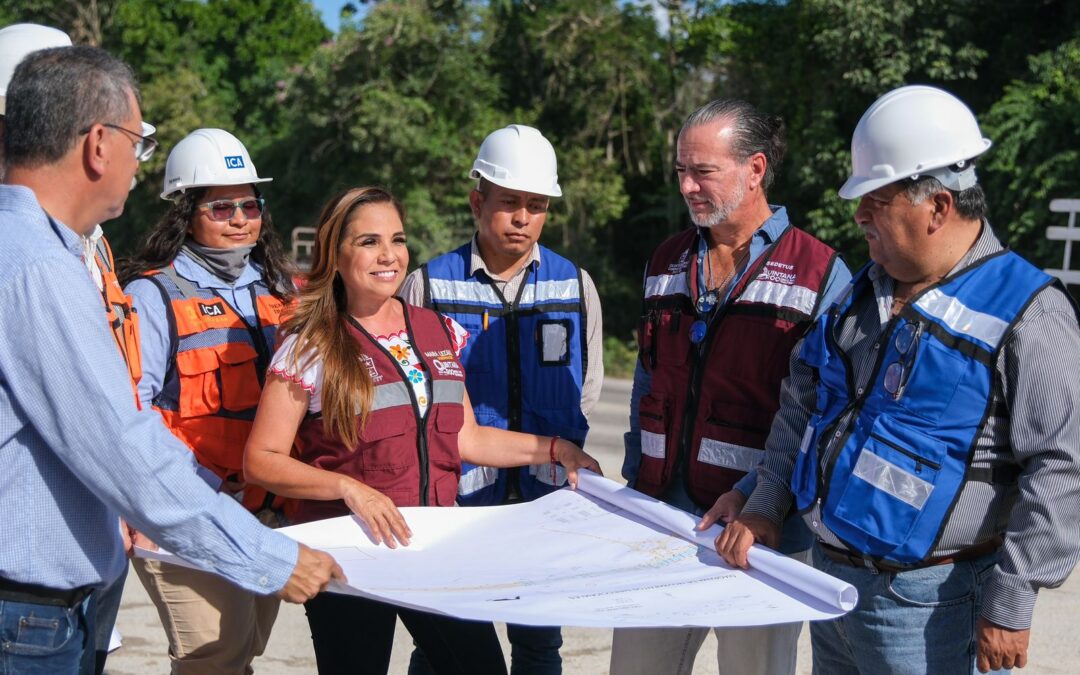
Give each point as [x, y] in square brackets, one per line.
[970, 203]
[56, 94]
[752, 132]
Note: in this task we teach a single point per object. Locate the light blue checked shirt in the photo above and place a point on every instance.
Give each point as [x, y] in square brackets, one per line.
[73, 447]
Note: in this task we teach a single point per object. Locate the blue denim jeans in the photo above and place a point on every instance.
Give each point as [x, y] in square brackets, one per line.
[104, 606]
[45, 639]
[919, 622]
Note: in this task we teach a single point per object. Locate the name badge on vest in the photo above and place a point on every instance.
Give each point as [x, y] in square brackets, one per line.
[553, 339]
[214, 309]
[445, 363]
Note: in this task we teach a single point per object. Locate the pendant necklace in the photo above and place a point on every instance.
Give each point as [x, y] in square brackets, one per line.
[709, 300]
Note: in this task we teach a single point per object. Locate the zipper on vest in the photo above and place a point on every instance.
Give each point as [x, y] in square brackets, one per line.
[513, 365]
[850, 413]
[697, 372]
[919, 461]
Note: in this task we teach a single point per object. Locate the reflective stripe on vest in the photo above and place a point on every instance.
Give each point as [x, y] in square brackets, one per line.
[525, 359]
[889, 483]
[710, 405]
[798, 298]
[209, 394]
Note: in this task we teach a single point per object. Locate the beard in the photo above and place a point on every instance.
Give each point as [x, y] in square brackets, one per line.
[720, 212]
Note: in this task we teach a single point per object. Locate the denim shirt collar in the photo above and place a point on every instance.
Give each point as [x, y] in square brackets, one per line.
[762, 238]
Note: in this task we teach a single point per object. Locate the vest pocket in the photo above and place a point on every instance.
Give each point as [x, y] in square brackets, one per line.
[240, 388]
[199, 391]
[654, 417]
[890, 482]
[476, 357]
[449, 418]
[380, 453]
[672, 338]
[445, 490]
[935, 375]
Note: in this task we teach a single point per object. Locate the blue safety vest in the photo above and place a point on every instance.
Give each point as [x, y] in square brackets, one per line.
[525, 360]
[886, 485]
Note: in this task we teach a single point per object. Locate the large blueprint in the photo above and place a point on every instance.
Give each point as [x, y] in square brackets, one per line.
[602, 556]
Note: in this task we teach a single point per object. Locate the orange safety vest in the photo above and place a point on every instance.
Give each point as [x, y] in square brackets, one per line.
[213, 384]
[123, 319]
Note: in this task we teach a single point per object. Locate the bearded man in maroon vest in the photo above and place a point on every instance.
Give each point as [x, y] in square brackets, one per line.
[725, 302]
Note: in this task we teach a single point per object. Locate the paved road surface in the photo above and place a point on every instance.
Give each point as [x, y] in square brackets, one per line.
[1055, 644]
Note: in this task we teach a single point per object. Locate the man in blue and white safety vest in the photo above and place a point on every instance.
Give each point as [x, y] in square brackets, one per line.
[534, 357]
[928, 430]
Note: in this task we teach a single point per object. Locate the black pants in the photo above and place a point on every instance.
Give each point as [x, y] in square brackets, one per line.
[355, 635]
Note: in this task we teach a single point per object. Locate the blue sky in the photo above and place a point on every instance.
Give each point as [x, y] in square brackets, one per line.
[331, 9]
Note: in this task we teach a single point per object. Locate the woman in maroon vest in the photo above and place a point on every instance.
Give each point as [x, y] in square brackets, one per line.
[352, 346]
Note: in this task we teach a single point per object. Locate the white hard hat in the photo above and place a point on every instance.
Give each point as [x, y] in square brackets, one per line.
[914, 131]
[518, 157]
[19, 40]
[208, 158]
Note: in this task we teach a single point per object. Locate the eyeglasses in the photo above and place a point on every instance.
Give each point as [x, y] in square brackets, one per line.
[144, 145]
[223, 209]
[907, 344]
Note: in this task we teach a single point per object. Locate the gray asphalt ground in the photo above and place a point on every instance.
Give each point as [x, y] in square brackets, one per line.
[1055, 643]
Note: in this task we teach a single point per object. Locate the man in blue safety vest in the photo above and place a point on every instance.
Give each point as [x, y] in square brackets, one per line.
[927, 430]
[534, 357]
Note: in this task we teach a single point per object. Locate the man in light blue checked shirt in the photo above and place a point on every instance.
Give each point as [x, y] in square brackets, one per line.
[76, 453]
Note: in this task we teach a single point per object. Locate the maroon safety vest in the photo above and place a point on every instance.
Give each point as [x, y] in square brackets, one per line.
[718, 398]
[412, 460]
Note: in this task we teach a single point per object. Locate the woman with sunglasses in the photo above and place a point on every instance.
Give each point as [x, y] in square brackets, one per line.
[209, 283]
[373, 391]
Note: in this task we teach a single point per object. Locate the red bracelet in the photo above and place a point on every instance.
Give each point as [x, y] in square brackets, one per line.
[551, 452]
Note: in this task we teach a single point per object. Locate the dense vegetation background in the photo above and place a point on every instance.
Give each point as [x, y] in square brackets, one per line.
[405, 92]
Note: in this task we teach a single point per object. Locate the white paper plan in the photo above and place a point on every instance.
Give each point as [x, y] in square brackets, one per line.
[601, 556]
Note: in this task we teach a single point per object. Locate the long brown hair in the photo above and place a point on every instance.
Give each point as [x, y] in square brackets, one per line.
[162, 243]
[319, 320]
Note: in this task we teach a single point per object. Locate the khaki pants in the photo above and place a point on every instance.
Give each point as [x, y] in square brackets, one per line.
[759, 650]
[213, 626]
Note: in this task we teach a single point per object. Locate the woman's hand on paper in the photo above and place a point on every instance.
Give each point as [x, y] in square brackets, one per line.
[735, 541]
[573, 458]
[378, 512]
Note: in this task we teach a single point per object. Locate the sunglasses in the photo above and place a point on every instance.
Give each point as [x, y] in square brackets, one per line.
[223, 209]
[898, 372]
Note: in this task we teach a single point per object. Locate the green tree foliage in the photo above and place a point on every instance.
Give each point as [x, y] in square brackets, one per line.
[212, 63]
[405, 92]
[819, 64]
[402, 101]
[1036, 156]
